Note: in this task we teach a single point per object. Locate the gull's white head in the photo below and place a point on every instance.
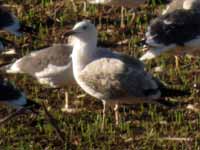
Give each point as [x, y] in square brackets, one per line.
[84, 32]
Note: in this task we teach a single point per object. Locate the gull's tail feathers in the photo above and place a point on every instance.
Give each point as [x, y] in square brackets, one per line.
[11, 68]
[167, 92]
[171, 92]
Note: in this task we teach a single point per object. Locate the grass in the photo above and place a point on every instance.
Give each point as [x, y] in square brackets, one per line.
[141, 126]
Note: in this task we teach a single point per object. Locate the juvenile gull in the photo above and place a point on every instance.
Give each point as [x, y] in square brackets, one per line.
[50, 66]
[178, 30]
[119, 3]
[109, 76]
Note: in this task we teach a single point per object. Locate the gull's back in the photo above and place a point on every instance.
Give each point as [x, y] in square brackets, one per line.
[107, 53]
[181, 4]
[175, 4]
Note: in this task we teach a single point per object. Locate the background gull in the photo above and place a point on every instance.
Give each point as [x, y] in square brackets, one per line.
[119, 3]
[179, 29]
[50, 66]
[9, 21]
[11, 24]
[12, 96]
[173, 5]
[179, 4]
[112, 77]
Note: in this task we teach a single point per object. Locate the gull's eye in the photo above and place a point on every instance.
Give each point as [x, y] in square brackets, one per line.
[84, 27]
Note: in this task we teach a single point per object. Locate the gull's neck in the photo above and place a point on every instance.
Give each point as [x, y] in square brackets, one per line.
[83, 53]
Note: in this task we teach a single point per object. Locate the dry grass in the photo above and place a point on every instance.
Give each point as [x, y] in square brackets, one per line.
[141, 127]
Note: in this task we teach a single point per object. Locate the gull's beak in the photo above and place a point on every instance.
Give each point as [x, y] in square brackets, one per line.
[68, 33]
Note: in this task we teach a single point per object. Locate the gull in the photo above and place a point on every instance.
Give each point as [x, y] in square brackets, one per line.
[178, 30]
[119, 3]
[11, 24]
[12, 96]
[178, 4]
[112, 77]
[173, 5]
[51, 66]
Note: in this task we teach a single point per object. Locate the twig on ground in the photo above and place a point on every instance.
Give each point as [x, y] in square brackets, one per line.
[18, 112]
[177, 139]
[54, 124]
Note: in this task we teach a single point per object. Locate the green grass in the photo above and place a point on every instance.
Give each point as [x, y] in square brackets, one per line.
[141, 126]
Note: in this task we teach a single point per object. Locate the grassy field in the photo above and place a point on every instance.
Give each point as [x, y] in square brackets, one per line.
[141, 126]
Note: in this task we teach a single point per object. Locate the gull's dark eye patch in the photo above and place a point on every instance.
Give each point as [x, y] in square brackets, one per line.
[84, 27]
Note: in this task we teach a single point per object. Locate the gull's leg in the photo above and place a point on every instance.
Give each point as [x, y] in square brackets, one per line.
[66, 107]
[116, 109]
[177, 62]
[85, 6]
[180, 51]
[100, 16]
[66, 100]
[122, 17]
[104, 114]
[74, 6]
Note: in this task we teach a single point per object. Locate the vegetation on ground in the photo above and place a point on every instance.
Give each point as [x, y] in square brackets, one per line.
[141, 126]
